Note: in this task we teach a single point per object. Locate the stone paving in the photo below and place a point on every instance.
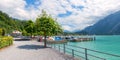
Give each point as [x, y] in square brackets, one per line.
[29, 50]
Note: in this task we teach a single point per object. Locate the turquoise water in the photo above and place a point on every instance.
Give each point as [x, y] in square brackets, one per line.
[107, 44]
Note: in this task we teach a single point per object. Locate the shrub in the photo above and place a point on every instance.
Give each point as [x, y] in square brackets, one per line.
[2, 31]
[6, 41]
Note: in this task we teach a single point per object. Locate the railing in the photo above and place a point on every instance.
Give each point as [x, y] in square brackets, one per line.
[84, 54]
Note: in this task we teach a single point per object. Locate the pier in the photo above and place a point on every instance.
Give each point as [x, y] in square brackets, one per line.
[79, 38]
[82, 39]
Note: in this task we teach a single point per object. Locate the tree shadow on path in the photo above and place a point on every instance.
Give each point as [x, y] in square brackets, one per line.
[29, 47]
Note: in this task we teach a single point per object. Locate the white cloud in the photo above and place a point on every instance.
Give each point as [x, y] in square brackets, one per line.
[18, 10]
[68, 28]
[91, 11]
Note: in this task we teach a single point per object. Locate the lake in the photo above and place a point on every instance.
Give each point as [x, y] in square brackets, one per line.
[108, 44]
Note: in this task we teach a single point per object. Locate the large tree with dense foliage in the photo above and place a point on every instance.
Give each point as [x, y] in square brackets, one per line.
[47, 26]
[30, 27]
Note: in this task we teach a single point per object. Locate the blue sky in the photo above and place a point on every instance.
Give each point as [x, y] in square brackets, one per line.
[71, 14]
[33, 3]
[68, 13]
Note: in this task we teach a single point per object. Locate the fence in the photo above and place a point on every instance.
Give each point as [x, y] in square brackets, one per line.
[84, 53]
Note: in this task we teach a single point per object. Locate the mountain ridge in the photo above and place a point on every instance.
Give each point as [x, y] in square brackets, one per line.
[110, 25]
[9, 23]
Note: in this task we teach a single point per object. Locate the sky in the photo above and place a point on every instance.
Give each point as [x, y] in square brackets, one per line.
[71, 14]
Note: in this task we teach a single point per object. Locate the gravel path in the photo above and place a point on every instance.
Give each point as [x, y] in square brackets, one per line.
[29, 50]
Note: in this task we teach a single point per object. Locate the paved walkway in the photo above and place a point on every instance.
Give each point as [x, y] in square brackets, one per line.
[29, 50]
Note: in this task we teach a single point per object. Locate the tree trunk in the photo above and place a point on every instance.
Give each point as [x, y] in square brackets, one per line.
[45, 40]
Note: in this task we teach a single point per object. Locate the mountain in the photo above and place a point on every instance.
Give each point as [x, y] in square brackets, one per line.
[109, 25]
[10, 24]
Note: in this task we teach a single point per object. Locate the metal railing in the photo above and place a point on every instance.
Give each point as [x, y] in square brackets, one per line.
[83, 54]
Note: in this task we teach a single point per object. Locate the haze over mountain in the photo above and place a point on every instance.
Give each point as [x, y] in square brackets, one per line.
[107, 25]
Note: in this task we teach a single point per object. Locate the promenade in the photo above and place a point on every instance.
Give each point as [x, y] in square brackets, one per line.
[29, 50]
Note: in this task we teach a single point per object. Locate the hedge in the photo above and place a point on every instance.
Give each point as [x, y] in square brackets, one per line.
[6, 41]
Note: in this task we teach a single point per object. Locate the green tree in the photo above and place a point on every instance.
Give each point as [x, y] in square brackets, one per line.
[47, 26]
[30, 27]
[24, 33]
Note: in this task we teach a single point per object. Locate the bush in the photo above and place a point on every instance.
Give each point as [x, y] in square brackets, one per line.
[5, 41]
[2, 31]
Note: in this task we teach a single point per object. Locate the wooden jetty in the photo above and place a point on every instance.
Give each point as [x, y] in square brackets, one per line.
[82, 39]
[65, 39]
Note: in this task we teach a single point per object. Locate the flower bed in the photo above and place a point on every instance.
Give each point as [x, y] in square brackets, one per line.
[6, 41]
